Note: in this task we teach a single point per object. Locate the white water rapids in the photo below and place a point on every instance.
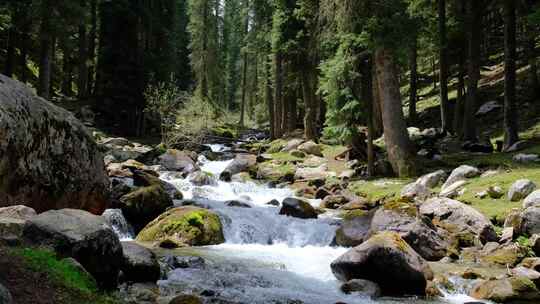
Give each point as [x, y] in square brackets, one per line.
[267, 258]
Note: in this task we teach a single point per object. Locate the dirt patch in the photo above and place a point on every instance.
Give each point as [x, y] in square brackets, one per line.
[25, 286]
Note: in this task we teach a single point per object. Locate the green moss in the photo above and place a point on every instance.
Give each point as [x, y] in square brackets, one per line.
[284, 157]
[352, 214]
[227, 131]
[276, 146]
[401, 207]
[378, 190]
[522, 284]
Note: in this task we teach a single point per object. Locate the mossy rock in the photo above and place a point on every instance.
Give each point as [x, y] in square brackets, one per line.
[145, 204]
[276, 146]
[225, 131]
[509, 255]
[401, 206]
[185, 226]
[514, 289]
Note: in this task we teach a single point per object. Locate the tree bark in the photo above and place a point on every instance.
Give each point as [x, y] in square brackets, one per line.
[510, 113]
[310, 117]
[443, 68]
[10, 58]
[396, 137]
[413, 93]
[82, 80]
[92, 49]
[268, 98]
[45, 53]
[244, 89]
[278, 91]
[475, 37]
[367, 92]
[377, 111]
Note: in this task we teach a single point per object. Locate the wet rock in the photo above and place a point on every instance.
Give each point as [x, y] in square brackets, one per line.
[297, 153]
[387, 260]
[363, 287]
[174, 262]
[5, 295]
[298, 208]
[200, 178]
[49, 159]
[322, 193]
[354, 228]
[415, 191]
[432, 180]
[459, 174]
[311, 148]
[528, 273]
[273, 203]
[334, 201]
[535, 244]
[241, 163]
[505, 255]
[506, 290]
[458, 218]
[140, 264]
[526, 158]
[532, 199]
[139, 293]
[520, 189]
[115, 141]
[488, 107]
[495, 192]
[184, 226]
[175, 160]
[78, 234]
[419, 234]
[531, 263]
[237, 204]
[529, 223]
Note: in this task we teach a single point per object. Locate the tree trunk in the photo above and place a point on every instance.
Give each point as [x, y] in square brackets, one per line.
[377, 111]
[10, 58]
[310, 117]
[398, 144]
[244, 89]
[367, 92]
[461, 95]
[82, 80]
[268, 98]
[475, 37]
[443, 68]
[67, 72]
[278, 91]
[413, 93]
[292, 108]
[92, 49]
[45, 53]
[510, 113]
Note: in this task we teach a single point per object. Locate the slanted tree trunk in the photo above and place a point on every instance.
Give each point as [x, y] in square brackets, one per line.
[443, 69]
[474, 32]
[278, 91]
[510, 113]
[413, 93]
[46, 51]
[398, 144]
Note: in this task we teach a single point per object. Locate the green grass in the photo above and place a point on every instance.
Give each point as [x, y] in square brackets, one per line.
[284, 157]
[381, 189]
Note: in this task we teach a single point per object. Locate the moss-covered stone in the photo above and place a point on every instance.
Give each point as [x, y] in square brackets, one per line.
[145, 204]
[401, 206]
[512, 289]
[185, 226]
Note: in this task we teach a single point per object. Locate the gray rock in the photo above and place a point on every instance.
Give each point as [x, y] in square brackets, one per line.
[363, 287]
[292, 145]
[200, 178]
[5, 295]
[495, 192]
[433, 179]
[525, 158]
[460, 217]
[11, 229]
[354, 230]
[532, 199]
[311, 148]
[520, 189]
[453, 190]
[459, 174]
[415, 191]
[18, 212]
[419, 234]
[528, 273]
[78, 234]
[140, 264]
[274, 203]
[530, 221]
[115, 141]
[320, 172]
[46, 153]
[139, 293]
[488, 107]
[506, 290]
[175, 160]
[387, 260]
[297, 208]
[237, 204]
[241, 163]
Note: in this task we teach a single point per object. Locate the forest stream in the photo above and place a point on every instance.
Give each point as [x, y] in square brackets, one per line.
[267, 257]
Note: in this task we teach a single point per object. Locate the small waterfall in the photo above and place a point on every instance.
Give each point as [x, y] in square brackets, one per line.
[118, 222]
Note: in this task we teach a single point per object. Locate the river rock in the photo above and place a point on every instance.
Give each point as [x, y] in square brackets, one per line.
[292, 145]
[18, 212]
[387, 260]
[354, 228]
[402, 219]
[311, 148]
[432, 180]
[363, 287]
[332, 201]
[526, 158]
[520, 189]
[320, 172]
[453, 190]
[139, 293]
[532, 199]
[175, 160]
[506, 290]
[49, 160]
[297, 208]
[529, 222]
[5, 295]
[78, 234]
[458, 218]
[459, 174]
[201, 178]
[184, 226]
[140, 264]
[415, 191]
[186, 299]
[528, 273]
[241, 163]
[504, 255]
[495, 192]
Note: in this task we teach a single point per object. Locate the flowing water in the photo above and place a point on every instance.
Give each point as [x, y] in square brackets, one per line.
[267, 258]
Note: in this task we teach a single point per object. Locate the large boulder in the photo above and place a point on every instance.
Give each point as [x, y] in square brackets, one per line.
[241, 163]
[460, 173]
[19, 212]
[140, 264]
[432, 180]
[515, 289]
[292, 144]
[308, 173]
[5, 295]
[311, 148]
[297, 208]
[415, 191]
[520, 189]
[184, 226]
[532, 199]
[421, 236]
[81, 235]
[175, 160]
[12, 221]
[387, 260]
[459, 219]
[48, 159]
[529, 221]
[354, 228]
